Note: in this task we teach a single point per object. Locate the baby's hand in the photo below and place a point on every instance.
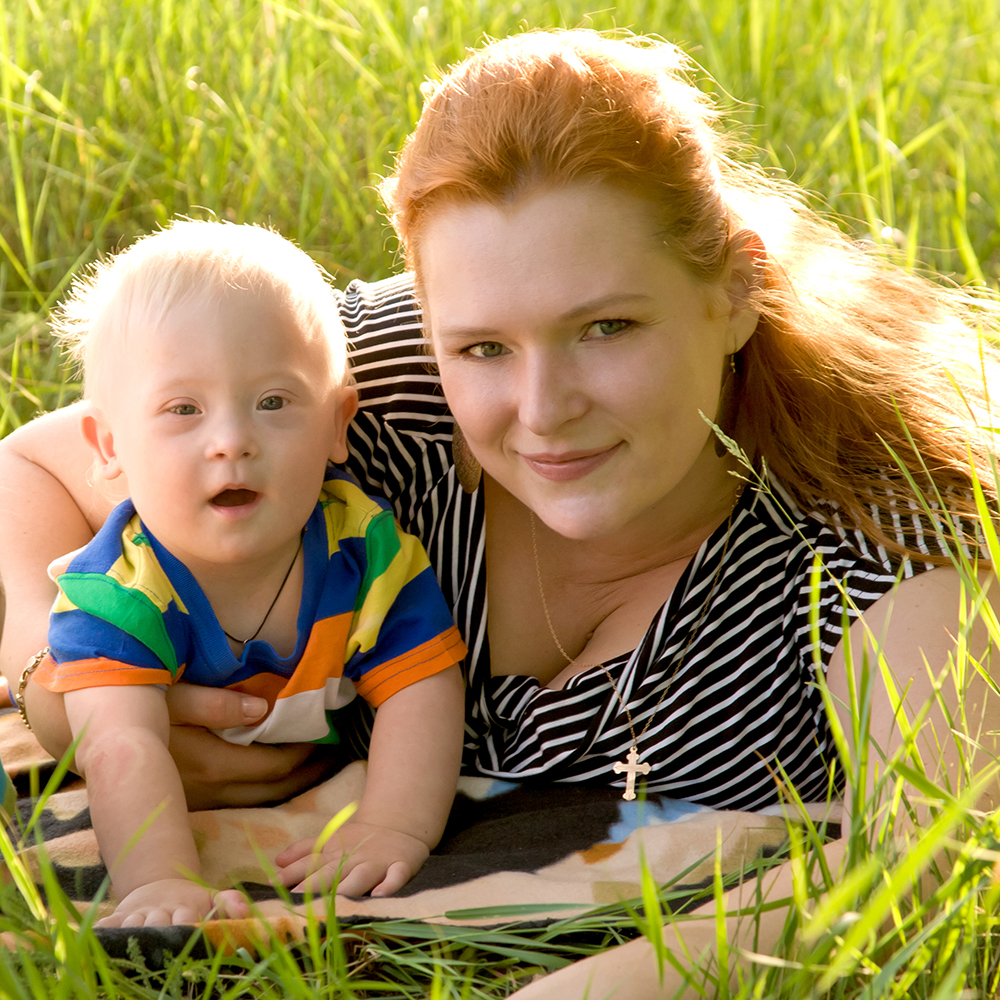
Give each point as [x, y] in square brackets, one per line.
[375, 858]
[166, 901]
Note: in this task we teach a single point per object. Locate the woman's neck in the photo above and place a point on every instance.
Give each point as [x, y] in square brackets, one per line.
[600, 594]
[670, 531]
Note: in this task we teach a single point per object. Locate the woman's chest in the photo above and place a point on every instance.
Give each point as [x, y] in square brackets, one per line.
[550, 617]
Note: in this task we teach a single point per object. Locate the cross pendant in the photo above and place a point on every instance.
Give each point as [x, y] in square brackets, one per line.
[630, 770]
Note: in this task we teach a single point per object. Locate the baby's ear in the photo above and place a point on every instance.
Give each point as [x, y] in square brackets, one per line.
[347, 406]
[97, 434]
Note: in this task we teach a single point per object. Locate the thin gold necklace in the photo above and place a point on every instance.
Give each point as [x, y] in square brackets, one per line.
[630, 767]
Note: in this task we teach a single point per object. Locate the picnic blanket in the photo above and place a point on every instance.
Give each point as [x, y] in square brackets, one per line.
[550, 851]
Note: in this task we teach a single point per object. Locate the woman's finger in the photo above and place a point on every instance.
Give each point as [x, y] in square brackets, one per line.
[213, 708]
[239, 795]
[208, 758]
[216, 773]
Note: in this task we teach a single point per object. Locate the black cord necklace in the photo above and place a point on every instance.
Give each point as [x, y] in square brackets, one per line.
[267, 614]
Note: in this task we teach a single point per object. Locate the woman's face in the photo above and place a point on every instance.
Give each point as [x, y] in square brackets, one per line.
[576, 355]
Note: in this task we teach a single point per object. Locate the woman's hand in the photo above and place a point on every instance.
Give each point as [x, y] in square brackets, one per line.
[631, 971]
[215, 774]
[219, 774]
[923, 612]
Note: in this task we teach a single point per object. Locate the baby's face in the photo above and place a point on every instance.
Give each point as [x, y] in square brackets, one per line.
[223, 418]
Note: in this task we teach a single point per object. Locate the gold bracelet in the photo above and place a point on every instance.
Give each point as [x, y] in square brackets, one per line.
[25, 675]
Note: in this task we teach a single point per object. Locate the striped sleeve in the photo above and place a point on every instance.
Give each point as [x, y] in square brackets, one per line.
[400, 442]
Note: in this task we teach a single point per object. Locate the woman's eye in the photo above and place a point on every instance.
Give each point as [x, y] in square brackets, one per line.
[488, 349]
[609, 327]
[271, 403]
[184, 409]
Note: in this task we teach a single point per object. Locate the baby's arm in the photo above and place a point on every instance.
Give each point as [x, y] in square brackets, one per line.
[413, 765]
[130, 776]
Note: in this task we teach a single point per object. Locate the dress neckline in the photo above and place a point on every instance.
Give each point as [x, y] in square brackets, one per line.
[502, 686]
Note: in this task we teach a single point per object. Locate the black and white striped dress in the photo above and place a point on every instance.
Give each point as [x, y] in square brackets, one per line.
[734, 643]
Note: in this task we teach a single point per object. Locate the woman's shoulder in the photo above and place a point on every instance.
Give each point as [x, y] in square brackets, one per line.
[924, 530]
[390, 359]
[796, 573]
[383, 322]
[400, 441]
[363, 303]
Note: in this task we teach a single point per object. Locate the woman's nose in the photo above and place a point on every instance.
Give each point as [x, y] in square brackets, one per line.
[551, 393]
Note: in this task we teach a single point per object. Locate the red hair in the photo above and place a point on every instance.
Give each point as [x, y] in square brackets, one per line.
[853, 355]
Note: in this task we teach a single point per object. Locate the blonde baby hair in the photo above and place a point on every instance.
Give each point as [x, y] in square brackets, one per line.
[188, 259]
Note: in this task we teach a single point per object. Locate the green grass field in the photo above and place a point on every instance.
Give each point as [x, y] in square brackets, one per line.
[119, 114]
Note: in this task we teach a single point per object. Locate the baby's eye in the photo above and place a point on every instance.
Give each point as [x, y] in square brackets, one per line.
[487, 349]
[184, 409]
[272, 403]
[608, 327]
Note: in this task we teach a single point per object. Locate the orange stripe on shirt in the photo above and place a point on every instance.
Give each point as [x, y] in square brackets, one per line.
[429, 658]
[323, 657]
[100, 672]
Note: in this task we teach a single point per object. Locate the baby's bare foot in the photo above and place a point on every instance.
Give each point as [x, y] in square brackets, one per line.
[161, 903]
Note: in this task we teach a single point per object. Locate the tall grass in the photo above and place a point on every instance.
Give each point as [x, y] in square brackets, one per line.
[116, 115]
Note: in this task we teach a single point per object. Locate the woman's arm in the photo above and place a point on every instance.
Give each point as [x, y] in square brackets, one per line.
[49, 505]
[40, 519]
[914, 627]
[630, 972]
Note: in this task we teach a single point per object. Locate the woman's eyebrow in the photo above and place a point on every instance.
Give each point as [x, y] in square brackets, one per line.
[614, 300]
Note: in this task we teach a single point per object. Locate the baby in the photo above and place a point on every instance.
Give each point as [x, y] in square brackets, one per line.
[215, 367]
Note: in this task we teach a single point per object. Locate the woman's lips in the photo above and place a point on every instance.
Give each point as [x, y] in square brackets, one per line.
[569, 465]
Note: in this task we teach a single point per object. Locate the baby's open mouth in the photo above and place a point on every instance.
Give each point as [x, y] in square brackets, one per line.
[234, 498]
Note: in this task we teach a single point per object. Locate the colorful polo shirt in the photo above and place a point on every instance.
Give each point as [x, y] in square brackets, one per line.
[372, 619]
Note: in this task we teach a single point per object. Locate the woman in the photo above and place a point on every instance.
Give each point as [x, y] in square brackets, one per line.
[598, 277]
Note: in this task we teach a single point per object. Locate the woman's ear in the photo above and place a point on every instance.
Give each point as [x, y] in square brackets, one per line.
[747, 266]
[97, 434]
[346, 407]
